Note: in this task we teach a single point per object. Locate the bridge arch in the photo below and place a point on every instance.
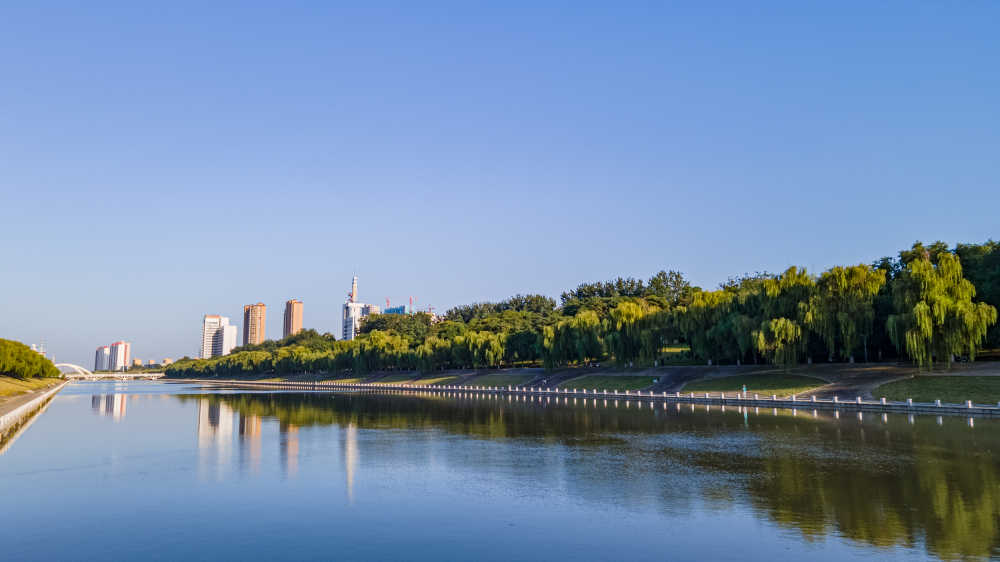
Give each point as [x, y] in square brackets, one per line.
[78, 370]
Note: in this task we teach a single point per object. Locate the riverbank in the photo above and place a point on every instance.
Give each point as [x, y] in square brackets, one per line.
[748, 400]
[11, 387]
[18, 413]
[840, 380]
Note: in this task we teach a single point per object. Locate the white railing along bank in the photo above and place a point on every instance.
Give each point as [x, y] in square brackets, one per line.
[720, 398]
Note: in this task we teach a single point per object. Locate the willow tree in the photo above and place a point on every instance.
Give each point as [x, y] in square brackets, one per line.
[552, 353]
[780, 341]
[433, 354]
[707, 310]
[935, 317]
[781, 337]
[842, 311]
[742, 333]
[382, 350]
[788, 294]
[585, 331]
[486, 348]
[623, 331]
[656, 329]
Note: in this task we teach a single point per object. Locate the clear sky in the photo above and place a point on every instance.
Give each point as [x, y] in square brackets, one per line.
[160, 162]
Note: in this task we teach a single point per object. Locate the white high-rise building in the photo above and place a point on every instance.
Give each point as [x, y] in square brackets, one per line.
[355, 312]
[210, 325]
[120, 354]
[102, 359]
[218, 336]
[225, 339]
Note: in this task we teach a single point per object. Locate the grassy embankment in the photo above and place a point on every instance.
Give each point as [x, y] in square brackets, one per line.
[9, 386]
[765, 385]
[497, 380]
[397, 379]
[948, 389]
[438, 381]
[599, 382]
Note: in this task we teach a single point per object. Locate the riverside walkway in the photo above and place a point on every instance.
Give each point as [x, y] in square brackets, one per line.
[710, 398]
[18, 414]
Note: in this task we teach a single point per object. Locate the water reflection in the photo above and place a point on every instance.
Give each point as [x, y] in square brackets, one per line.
[289, 448]
[250, 438]
[350, 458]
[215, 436]
[882, 480]
[113, 405]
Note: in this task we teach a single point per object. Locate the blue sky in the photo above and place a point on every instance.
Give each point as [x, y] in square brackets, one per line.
[162, 162]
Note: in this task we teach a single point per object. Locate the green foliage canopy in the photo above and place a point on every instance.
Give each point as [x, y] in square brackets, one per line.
[20, 361]
[936, 317]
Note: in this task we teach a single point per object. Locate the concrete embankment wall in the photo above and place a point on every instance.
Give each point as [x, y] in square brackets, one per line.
[12, 420]
[720, 398]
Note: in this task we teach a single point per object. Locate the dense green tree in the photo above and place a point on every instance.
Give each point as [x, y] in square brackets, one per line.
[918, 304]
[523, 345]
[981, 266]
[620, 287]
[707, 311]
[434, 354]
[573, 339]
[842, 310]
[781, 336]
[935, 317]
[780, 340]
[919, 251]
[672, 286]
[538, 304]
[414, 327]
[624, 332]
[20, 361]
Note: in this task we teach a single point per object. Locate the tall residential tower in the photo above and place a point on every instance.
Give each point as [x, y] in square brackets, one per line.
[120, 355]
[102, 358]
[254, 319]
[293, 318]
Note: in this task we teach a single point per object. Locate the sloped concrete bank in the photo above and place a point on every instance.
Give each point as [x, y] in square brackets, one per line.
[20, 415]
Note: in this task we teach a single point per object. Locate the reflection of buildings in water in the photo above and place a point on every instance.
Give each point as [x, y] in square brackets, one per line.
[250, 441]
[350, 458]
[289, 448]
[113, 405]
[215, 431]
[215, 423]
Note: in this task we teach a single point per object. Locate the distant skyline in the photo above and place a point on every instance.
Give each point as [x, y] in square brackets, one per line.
[162, 164]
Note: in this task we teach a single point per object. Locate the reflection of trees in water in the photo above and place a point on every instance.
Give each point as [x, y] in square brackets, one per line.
[884, 484]
[938, 484]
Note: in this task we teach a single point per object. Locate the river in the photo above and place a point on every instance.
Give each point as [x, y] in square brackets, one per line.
[160, 470]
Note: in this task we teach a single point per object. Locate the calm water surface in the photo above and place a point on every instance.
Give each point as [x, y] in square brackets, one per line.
[153, 470]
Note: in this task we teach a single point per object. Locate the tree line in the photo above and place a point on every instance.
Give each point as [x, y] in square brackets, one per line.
[930, 305]
[20, 361]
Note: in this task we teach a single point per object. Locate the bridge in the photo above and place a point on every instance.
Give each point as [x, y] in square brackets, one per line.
[76, 372]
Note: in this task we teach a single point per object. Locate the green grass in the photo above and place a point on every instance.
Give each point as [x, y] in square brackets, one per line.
[600, 382]
[497, 380]
[948, 389]
[395, 379]
[346, 381]
[766, 385]
[437, 381]
[10, 386]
